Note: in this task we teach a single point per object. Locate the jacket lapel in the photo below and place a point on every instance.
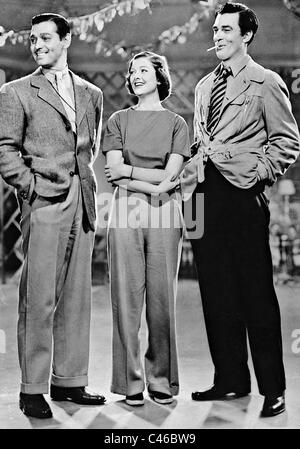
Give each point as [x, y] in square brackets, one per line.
[46, 92]
[205, 100]
[82, 98]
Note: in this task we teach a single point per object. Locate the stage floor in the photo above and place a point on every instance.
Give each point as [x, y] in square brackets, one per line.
[196, 373]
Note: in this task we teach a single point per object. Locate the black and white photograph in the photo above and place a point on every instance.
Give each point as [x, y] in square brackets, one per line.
[149, 217]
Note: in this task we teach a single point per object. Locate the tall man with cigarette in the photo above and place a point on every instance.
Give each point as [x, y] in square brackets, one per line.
[49, 137]
[246, 137]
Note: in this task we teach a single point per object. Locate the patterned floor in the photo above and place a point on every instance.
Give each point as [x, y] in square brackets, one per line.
[195, 373]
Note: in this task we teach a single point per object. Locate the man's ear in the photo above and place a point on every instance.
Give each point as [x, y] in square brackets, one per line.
[247, 36]
[67, 40]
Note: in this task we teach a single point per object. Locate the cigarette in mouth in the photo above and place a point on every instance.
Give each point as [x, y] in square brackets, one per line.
[212, 48]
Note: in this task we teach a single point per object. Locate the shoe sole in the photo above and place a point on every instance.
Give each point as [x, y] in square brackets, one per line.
[68, 399]
[163, 401]
[262, 415]
[228, 397]
[136, 402]
[49, 416]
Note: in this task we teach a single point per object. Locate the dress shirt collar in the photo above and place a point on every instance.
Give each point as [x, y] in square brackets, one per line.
[50, 73]
[236, 66]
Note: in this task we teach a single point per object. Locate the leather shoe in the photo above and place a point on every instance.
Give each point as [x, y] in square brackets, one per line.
[273, 406]
[214, 393]
[79, 395]
[34, 405]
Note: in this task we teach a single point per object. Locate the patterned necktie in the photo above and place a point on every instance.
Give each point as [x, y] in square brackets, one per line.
[216, 98]
[66, 97]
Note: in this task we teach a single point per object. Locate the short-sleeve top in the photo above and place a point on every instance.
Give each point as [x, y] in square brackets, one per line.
[146, 138]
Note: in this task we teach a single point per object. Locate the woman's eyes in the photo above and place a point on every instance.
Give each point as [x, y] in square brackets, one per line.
[142, 71]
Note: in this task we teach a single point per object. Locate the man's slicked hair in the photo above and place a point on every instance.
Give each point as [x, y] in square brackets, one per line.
[248, 20]
[62, 25]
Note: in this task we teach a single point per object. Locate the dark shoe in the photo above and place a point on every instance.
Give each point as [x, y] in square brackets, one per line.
[273, 406]
[34, 405]
[161, 398]
[135, 399]
[79, 395]
[215, 394]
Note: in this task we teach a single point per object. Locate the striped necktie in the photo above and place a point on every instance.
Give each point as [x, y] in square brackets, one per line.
[217, 96]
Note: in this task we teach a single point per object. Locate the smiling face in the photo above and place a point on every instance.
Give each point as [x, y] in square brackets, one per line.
[48, 50]
[228, 38]
[143, 77]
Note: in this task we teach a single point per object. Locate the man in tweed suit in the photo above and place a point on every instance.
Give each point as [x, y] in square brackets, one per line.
[50, 124]
[246, 137]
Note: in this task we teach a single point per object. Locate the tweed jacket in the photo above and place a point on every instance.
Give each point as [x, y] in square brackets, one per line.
[38, 149]
[256, 136]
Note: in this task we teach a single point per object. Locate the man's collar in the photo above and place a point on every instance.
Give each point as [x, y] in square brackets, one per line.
[50, 73]
[236, 66]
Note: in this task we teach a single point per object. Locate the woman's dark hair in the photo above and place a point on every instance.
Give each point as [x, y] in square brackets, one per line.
[248, 20]
[62, 25]
[161, 67]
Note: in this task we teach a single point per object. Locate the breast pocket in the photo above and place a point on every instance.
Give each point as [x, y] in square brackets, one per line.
[248, 109]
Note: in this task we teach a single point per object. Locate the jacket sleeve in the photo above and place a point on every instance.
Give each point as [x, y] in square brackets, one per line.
[283, 135]
[12, 125]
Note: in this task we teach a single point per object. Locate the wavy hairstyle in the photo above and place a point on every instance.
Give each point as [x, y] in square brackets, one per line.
[161, 68]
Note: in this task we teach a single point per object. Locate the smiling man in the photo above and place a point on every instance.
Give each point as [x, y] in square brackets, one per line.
[246, 137]
[50, 123]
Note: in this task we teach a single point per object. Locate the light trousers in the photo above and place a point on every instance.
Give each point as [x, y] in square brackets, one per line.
[55, 293]
[144, 244]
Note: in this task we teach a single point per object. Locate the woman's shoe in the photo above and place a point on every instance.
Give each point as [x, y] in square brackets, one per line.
[135, 399]
[161, 398]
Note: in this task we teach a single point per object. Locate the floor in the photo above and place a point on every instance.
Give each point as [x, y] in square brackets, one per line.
[195, 373]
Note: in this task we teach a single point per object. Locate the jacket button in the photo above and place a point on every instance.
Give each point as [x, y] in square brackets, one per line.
[72, 173]
[25, 196]
[211, 138]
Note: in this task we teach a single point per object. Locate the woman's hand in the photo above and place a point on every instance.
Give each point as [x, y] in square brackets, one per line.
[168, 184]
[115, 171]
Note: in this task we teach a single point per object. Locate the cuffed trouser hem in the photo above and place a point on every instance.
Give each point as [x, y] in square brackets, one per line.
[125, 391]
[34, 388]
[69, 382]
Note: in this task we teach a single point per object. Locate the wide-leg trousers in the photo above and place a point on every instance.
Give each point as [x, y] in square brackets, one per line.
[55, 293]
[234, 267]
[144, 245]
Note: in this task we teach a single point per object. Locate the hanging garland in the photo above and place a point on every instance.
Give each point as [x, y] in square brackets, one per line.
[294, 6]
[180, 34]
[88, 28]
[175, 34]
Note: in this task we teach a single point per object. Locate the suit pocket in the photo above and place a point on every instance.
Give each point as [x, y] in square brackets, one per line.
[39, 201]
